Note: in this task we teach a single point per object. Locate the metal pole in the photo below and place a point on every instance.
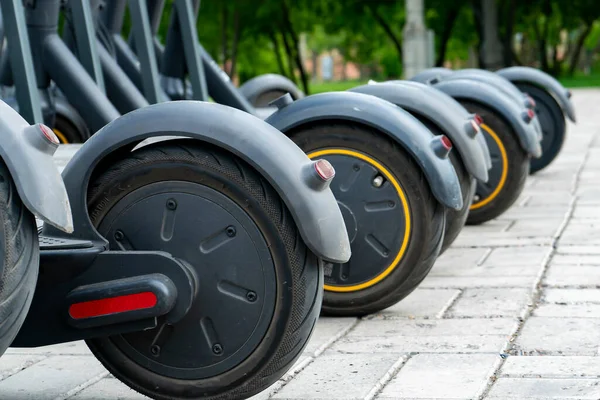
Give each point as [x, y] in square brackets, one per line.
[415, 46]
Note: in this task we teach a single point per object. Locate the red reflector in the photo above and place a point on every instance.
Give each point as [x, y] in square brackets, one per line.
[112, 305]
[475, 126]
[49, 134]
[530, 113]
[324, 169]
[478, 119]
[531, 101]
[446, 142]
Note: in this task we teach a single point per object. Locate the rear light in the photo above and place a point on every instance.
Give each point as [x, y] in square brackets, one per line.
[49, 134]
[474, 128]
[441, 146]
[324, 170]
[531, 101]
[478, 120]
[528, 116]
[112, 305]
[446, 142]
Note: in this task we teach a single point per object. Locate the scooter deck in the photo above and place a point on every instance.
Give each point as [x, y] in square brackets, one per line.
[54, 243]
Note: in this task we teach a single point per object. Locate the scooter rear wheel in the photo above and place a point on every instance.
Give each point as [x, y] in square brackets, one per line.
[19, 253]
[394, 223]
[260, 288]
[510, 167]
[553, 124]
[455, 219]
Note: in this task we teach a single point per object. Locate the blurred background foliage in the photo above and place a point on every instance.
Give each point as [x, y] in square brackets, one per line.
[252, 37]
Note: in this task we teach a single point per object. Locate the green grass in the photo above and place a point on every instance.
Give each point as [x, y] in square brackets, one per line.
[321, 87]
[579, 81]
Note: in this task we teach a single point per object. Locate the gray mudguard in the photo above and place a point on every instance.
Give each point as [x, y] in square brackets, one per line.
[431, 73]
[502, 84]
[543, 80]
[256, 86]
[439, 108]
[487, 95]
[32, 168]
[272, 154]
[387, 118]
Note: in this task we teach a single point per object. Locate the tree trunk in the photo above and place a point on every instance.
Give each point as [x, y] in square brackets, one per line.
[477, 18]
[387, 28]
[236, 41]
[508, 33]
[290, 56]
[446, 33]
[314, 60]
[296, 47]
[278, 57]
[577, 49]
[224, 36]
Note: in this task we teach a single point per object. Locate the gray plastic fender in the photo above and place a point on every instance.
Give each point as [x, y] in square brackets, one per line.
[543, 80]
[256, 86]
[272, 154]
[431, 73]
[486, 95]
[32, 168]
[439, 108]
[387, 118]
[502, 84]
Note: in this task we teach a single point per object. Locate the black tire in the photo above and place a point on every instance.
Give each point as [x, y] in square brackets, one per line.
[298, 271]
[510, 167]
[424, 238]
[66, 131]
[20, 259]
[552, 120]
[455, 219]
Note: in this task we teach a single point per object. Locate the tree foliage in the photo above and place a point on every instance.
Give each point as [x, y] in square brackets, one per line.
[251, 37]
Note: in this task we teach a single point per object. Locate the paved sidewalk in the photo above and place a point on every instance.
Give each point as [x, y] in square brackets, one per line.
[511, 311]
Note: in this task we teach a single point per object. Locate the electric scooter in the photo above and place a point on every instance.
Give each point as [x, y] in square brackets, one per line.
[193, 266]
[387, 163]
[552, 106]
[509, 129]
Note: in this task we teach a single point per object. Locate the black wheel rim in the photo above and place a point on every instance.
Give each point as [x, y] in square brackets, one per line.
[237, 280]
[486, 192]
[377, 217]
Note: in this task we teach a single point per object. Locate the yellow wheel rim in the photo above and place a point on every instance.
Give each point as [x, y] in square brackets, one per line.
[385, 172]
[504, 174]
[63, 139]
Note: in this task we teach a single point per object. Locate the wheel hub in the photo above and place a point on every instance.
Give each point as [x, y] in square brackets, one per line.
[377, 219]
[226, 250]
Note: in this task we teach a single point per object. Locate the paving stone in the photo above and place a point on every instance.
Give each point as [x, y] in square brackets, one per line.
[108, 388]
[503, 239]
[577, 250]
[458, 257]
[536, 388]
[443, 376]
[561, 275]
[520, 256]
[581, 233]
[72, 348]
[551, 367]
[420, 303]
[490, 303]
[327, 327]
[546, 228]
[568, 310]
[588, 260]
[557, 198]
[559, 336]
[476, 282]
[338, 376]
[530, 270]
[430, 336]
[13, 363]
[50, 378]
[572, 296]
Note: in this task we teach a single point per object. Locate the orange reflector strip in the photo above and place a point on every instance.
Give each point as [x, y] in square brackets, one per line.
[112, 305]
